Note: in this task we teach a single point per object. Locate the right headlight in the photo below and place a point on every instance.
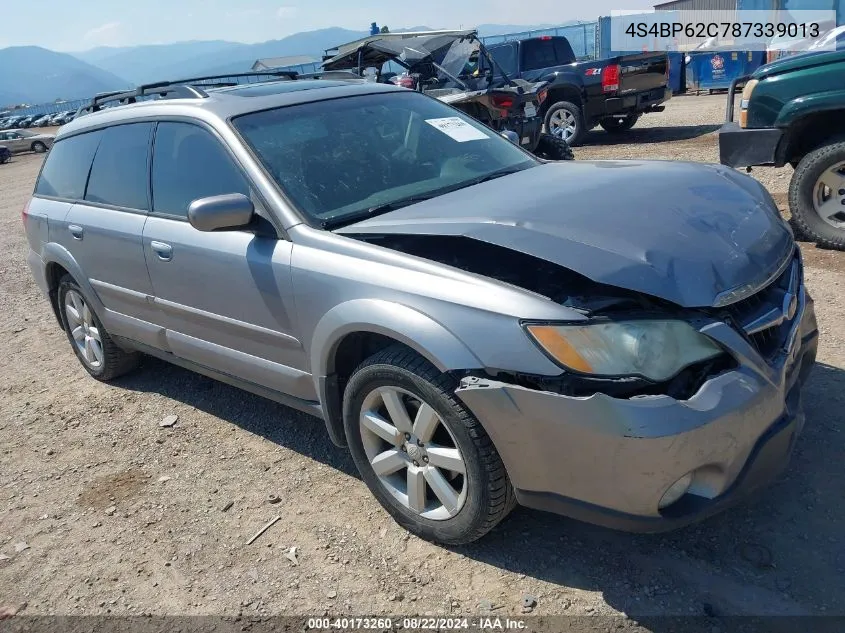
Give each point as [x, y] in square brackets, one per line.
[653, 349]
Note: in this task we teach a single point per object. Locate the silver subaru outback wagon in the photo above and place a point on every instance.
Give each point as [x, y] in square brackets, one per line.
[623, 342]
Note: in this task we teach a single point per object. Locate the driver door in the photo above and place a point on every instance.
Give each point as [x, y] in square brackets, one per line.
[225, 297]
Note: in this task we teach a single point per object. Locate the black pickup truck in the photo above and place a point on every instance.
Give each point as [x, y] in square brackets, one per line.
[613, 92]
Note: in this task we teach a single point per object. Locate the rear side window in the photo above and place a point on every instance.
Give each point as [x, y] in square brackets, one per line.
[119, 173]
[189, 163]
[66, 169]
[563, 51]
[539, 54]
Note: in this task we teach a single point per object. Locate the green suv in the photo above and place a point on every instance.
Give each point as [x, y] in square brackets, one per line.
[793, 111]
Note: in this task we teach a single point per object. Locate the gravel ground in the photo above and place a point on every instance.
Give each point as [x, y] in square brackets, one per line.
[104, 511]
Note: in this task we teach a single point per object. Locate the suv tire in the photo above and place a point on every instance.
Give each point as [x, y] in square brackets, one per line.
[95, 349]
[565, 113]
[437, 424]
[806, 191]
[551, 147]
[614, 126]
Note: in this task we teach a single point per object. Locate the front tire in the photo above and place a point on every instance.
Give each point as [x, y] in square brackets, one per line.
[422, 454]
[615, 126]
[90, 341]
[553, 148]
[817, 196]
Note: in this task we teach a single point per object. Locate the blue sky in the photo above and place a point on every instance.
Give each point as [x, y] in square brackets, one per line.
[75, 26]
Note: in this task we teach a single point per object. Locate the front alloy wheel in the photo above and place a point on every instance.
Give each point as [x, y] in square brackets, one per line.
[416, 459]
[423, 455]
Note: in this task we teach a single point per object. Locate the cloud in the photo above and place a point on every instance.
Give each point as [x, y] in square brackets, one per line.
[285, 12]
[105, 35]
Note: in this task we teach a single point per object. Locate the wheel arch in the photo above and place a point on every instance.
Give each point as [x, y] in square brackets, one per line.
[58, 262]
[353, 331]
[807, 131]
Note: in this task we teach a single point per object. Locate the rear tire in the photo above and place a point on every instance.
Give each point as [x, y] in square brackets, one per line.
[817, 196]
[38, 147]
[404, 393]
[95, 349]
[614, 126]
[553, 148]
[566, 120]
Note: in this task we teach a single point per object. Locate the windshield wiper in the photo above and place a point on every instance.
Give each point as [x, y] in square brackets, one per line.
[387, 207]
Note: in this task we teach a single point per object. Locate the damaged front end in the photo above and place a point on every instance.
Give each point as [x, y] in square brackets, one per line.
[576, 292]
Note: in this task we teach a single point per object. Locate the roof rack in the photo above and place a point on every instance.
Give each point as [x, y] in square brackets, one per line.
[178, 88]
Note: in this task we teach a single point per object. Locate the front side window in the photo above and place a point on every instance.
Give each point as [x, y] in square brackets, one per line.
[188, 164]
[340, 159]
[119, 173]
[505, 57]
[66, 169]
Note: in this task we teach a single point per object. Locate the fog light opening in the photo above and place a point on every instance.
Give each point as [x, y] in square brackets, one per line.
[675, 491]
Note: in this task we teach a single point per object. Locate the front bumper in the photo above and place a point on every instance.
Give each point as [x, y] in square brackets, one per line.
[744, 147]
[609, 461]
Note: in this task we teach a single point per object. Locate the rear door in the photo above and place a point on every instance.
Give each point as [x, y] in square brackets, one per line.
[103, 230]
[225, 296]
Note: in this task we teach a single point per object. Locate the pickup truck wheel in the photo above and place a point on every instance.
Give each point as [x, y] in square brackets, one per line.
[98, 353]
[613, 125]
[817, 196]
[553, 148]
[422, 454]
[565, 120]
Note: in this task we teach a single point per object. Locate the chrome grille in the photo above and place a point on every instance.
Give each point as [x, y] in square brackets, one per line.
[763, 318]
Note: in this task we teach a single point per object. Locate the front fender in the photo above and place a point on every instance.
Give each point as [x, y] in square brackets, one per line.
[411, 327]
[811, 104]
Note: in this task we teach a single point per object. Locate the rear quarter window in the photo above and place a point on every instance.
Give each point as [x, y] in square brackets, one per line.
[66, 168]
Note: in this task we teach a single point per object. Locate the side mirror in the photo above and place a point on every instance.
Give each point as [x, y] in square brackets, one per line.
[230, 211]
[512, 136]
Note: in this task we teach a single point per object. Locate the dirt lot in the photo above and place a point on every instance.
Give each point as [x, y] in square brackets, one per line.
[103, 511]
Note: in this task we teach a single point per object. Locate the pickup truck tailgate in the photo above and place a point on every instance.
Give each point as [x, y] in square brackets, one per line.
[643, 72]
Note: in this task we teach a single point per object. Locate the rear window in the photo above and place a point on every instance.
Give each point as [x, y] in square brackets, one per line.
[539, 54]
[66, 169]
[119, 173]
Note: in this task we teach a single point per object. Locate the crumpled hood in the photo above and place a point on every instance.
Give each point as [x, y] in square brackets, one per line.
[684, 232]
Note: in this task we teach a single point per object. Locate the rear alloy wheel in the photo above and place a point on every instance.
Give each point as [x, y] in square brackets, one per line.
[566, 121]
[615, 125]
[424, 457]
[817, 196]
[93, 346]
[38, 147]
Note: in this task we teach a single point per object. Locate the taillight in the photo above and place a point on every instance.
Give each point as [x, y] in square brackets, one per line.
[610, 78]
[502, 102]
[545, 38]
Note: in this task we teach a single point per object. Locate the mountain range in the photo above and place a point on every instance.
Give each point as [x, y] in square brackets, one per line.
[31, 74]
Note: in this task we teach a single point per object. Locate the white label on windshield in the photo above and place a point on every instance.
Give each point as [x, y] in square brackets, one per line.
[458, 129]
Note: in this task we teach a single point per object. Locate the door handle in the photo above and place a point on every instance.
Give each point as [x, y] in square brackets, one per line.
[164, 251]
[75, 231]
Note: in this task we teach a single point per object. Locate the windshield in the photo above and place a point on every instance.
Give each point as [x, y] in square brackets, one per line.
[341, 159]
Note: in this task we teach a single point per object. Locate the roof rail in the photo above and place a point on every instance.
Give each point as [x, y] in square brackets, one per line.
[190, 88]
